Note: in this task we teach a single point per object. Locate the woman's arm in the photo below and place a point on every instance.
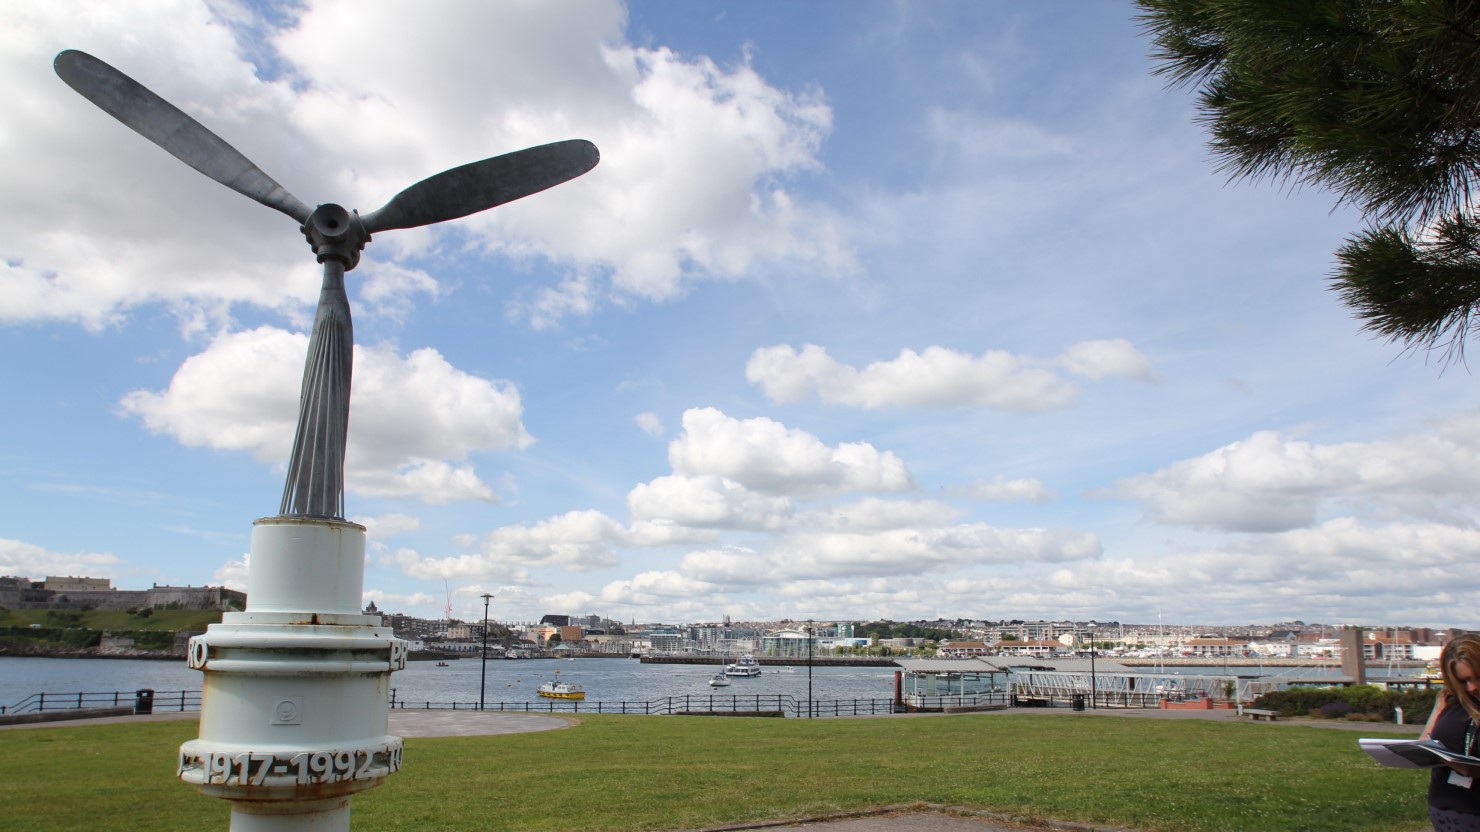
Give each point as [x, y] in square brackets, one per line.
[1428, 728]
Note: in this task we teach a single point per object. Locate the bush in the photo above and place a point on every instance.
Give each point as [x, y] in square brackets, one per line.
[1334, 710]
[1365, 699]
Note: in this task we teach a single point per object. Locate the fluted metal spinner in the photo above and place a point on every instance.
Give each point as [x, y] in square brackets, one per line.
[294, 714]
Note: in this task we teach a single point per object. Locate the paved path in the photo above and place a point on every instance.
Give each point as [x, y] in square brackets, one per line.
[402, 723]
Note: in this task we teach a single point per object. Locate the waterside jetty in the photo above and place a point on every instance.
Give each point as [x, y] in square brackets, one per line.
[777, 661]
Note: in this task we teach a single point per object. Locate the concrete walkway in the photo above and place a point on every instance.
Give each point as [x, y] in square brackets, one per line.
[406, 723]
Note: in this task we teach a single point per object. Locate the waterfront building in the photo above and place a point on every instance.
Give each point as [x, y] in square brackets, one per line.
[789, 644]
[1215, 647]
[963, 649]
[941, 684]
[1034, 648]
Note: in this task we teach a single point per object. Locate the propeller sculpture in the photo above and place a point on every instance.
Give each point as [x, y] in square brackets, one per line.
[315, 484]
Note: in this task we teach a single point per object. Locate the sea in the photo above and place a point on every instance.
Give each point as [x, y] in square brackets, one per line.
[607, 680]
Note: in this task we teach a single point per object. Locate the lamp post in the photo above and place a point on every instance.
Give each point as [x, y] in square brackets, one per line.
[809, 668]
[1093, 649]
[483, 671]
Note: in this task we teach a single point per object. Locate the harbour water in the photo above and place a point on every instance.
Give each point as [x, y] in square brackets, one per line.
[608, 680]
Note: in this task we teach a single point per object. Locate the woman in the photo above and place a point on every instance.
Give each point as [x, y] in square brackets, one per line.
[1454, 790]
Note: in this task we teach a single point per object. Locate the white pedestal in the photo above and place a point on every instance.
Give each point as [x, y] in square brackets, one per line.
[295, 701]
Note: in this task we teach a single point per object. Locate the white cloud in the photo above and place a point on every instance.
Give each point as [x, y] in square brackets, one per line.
[875, 548]
[1112, 357]
[388, 525]
[650, 424]
[649, 587]
[1269, 483]
[20, 558]
[1422, 572]
[415, 417]
[693, 182]
[390, 290]
[765, 456]
[576, 541]
[872, 513]
[936, 377]
[1001, 488]
[396, 601]
[233, 573]
[707, 502]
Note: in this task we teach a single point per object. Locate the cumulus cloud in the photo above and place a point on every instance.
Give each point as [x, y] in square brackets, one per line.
[693, 184]
[21, 558]
[233, 573]
[1269, 482]
[1422, 572]
[706, 502]
[906, 540]
[939, 377]
[766, 456]
[576, 541]
[415, 417]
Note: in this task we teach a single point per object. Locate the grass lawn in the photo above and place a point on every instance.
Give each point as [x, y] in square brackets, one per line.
[668, 773]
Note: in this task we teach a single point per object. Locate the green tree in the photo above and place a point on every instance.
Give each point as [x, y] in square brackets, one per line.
[1376, 100]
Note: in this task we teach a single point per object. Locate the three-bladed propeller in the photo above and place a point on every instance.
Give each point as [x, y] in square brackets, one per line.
[315, 484]
[448, 195]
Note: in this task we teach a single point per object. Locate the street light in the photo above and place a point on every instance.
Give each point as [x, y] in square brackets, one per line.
[809, 668]
[1093, 649]
[483, 673]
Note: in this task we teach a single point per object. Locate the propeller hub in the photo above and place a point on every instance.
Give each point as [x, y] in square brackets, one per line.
[336, 234]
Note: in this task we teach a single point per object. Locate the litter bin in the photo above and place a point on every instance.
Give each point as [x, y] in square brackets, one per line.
[1078, 701]
[144, 701]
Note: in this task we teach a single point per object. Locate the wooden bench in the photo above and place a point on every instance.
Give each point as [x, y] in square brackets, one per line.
[1259, 713]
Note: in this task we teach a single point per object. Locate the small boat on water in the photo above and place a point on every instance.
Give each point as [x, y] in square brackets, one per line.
[443, 664]
[745, 666]
[561, 690]
[719, 681]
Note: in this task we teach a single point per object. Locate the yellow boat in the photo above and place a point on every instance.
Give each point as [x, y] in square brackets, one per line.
[561, 690]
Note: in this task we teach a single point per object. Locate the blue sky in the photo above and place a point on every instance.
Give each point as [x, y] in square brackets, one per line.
[871, 309]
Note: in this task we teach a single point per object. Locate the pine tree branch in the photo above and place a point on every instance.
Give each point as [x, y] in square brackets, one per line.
[1420, 289]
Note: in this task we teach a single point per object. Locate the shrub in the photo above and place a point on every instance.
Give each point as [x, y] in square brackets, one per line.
[1335, 710]
[1366, 699]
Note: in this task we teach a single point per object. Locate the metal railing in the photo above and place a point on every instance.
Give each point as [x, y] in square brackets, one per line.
[164, 700]
[787, 705]
[783, 704]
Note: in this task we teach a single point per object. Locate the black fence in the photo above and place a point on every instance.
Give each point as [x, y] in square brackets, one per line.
[162, 700]
[769, 704]
[1101, 699]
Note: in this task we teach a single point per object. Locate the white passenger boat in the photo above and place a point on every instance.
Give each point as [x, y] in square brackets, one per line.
[561, 690]
[745, 666]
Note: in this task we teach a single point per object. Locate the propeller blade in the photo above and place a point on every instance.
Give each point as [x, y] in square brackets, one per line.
[481, 185]
[163, 123]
